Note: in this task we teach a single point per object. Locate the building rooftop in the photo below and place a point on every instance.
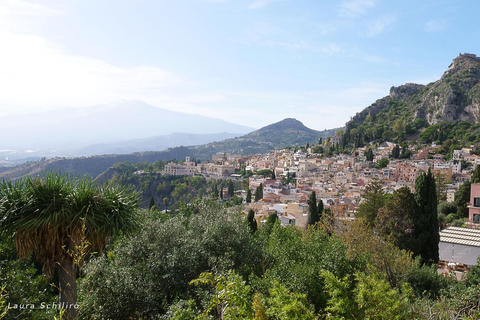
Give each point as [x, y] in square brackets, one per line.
[458, 235]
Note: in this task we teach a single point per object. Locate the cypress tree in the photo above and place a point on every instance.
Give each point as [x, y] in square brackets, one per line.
[312, 209]
[396, 152]
[249, 196]
[476, 174]
[462, 197]
[151, 204]
[271, 220]
[320, 208]
[426, 222]
[252, 223]
[259, 192]
[369, 154]
[231, 189]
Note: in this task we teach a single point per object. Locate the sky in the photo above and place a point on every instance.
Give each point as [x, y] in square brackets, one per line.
[250, 62]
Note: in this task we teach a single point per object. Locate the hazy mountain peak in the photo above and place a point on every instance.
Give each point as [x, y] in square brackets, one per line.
[61, 132]
[286, 124]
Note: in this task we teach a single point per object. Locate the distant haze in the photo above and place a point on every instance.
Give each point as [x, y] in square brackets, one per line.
[63, 131]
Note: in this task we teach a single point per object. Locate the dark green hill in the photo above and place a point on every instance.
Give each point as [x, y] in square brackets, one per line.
[93, 166]
[286, 133]
[411, 108]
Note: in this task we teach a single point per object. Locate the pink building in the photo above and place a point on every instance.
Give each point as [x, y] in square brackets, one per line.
[474, 205]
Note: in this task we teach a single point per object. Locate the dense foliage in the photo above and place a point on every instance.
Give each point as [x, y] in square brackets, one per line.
[209, 261]
[146, 179]
[210, 265]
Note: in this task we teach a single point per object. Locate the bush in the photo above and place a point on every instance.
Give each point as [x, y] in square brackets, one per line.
[458, 222]
[152, 269]
[446, 208]
[425, 281]
[451, 217]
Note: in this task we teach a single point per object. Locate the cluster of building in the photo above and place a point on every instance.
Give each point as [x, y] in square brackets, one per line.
[338, 181]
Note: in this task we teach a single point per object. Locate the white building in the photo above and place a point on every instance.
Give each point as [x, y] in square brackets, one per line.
[459, 245]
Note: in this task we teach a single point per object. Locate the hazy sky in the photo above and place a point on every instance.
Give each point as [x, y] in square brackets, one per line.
[252, 62]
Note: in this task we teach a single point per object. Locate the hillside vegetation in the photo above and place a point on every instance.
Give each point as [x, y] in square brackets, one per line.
[411, 108]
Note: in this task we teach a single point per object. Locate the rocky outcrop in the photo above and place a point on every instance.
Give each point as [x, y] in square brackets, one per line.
[454, 97]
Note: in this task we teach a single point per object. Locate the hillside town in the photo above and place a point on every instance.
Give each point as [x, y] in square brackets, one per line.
[339, 181]
[285, 179]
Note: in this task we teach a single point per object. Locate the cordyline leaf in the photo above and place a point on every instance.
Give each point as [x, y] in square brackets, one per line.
[46, 212]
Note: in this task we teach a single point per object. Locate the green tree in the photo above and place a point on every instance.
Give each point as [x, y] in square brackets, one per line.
[313, 216]
[320, 208]
[271, 221]
[441, 185]
[396, 218]
[215, 190]
[476, 174]
[369, 154]
[248, 198]
[282, 304]
[230, 297]
[426, 222]
[252, 223]
[462, 198]
[396, 152]
[165, 203]
[260, 312]
[147, 272]
[383, 163]
[20, 283]
[446, 208]
[371, 298]
[55, 216]
[375, 199]
[231, 190]
[259, 192]
[151, 204]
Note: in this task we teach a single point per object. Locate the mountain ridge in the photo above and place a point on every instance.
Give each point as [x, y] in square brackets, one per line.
[411, 108]
[264, 140]
[62, 132]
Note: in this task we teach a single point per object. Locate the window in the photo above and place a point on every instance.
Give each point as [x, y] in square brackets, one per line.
[476, 202]
[476, 218]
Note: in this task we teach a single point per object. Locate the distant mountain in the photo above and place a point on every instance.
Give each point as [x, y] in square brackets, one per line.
[410, 108]
[289, 132]
[286, 133]
[157, 143]
[62, 132]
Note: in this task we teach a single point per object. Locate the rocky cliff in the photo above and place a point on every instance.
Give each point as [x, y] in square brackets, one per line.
[454, 97]
[410, 107]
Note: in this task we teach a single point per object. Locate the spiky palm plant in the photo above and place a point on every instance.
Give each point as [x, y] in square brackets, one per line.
[54, 216]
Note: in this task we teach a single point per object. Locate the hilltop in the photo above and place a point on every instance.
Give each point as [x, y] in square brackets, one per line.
[411, 108]
[286, 133]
